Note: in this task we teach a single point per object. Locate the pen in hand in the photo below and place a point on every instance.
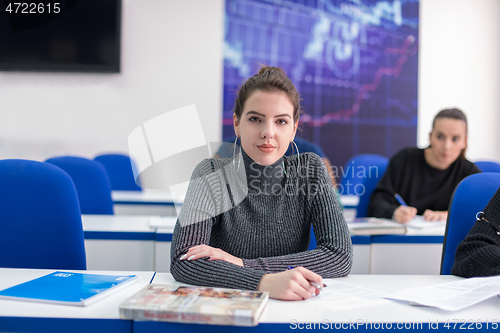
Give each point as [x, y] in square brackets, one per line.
[400, 200]
[314, 284]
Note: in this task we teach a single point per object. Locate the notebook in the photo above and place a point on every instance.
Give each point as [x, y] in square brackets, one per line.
[68, 288]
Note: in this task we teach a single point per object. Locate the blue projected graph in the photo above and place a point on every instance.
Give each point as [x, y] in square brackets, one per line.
[354, 62]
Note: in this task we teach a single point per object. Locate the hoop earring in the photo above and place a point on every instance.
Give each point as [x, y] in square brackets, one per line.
[234, 155]
[298, 157]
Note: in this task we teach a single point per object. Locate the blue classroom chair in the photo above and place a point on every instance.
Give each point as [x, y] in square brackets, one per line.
[362, 173]
[91, 182]
[470, 197]
[120, 171]
[40, 221]
[488, 166]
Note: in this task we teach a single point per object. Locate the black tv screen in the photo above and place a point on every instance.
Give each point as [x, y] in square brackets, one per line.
[62, 35]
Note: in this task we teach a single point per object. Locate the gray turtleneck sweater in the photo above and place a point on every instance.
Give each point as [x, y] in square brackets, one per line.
[268, 226]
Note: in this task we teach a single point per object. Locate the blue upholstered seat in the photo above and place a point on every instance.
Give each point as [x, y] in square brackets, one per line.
[488, 166]
[471, 196]
[361, 175]
[40, 221]
[91, 182]
[120, 171]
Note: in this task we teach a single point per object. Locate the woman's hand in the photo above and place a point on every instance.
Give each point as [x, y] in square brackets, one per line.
[203, 251]
[291, 285]
[433, 215]
[404, 214]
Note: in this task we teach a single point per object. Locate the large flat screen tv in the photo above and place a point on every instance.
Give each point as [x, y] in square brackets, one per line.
[61, 35]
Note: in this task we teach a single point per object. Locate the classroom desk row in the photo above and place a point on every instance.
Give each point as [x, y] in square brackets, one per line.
[278, 316]
[142, 243]
[161, 202]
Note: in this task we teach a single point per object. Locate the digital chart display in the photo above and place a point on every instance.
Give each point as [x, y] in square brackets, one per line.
[355, 64]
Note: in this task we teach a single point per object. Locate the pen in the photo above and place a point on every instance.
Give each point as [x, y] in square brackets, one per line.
[314, 284]
[400, 200]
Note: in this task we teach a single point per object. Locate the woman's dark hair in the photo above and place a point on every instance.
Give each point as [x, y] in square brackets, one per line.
[269, 79]
[456, 114]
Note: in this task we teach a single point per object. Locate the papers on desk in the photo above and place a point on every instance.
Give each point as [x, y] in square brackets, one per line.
[67, 288]
[340, 296]
[378, 226]
[375, 226]
[451, 296]
[419, 222]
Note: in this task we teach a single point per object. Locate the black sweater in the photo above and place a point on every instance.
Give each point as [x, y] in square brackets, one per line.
[419, 184]
[479, 253]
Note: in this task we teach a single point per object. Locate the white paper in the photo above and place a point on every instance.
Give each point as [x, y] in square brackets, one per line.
[340, 296]
[373, 223]
[419, 222]
[452, 296]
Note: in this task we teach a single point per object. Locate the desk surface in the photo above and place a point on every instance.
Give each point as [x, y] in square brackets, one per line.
[391, 311]
[15, 314]
[164, 197]
[165, 224]
[122, 242]
[144, 197]
[128, 223]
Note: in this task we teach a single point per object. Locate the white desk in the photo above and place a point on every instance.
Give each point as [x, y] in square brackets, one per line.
[278, 315]
[417, 252]
[124, 242]
[146, 202]
[163, 241]
[121, 242]
[117, 242]
[161, 202]
[349, 201]
[102, 316]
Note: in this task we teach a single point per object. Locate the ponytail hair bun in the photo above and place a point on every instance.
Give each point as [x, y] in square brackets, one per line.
[269, 79]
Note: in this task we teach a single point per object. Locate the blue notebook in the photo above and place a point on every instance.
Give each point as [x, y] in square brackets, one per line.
[67, 288]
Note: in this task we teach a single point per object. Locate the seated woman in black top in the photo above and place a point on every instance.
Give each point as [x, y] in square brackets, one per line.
[426, 178]
[479, 253]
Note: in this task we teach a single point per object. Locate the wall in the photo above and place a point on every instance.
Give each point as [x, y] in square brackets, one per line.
[171, 57]
[460, 66]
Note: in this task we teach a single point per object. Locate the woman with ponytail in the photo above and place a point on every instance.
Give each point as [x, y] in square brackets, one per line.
[246, 220]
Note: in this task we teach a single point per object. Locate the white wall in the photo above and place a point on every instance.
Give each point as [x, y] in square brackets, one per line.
[459, 66]
[171, 57]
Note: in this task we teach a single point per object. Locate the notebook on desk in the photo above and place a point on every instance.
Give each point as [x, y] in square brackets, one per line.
[375, 226]
[67, 288]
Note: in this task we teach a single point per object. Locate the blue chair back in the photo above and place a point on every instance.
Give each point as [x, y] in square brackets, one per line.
[488, 166]
[470, 197]
[40, 221]
[120, 171]
[360, 177]
[91, 182]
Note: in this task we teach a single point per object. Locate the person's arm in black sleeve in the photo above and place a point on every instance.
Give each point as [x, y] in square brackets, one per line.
[382, 202]
[479, 253]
